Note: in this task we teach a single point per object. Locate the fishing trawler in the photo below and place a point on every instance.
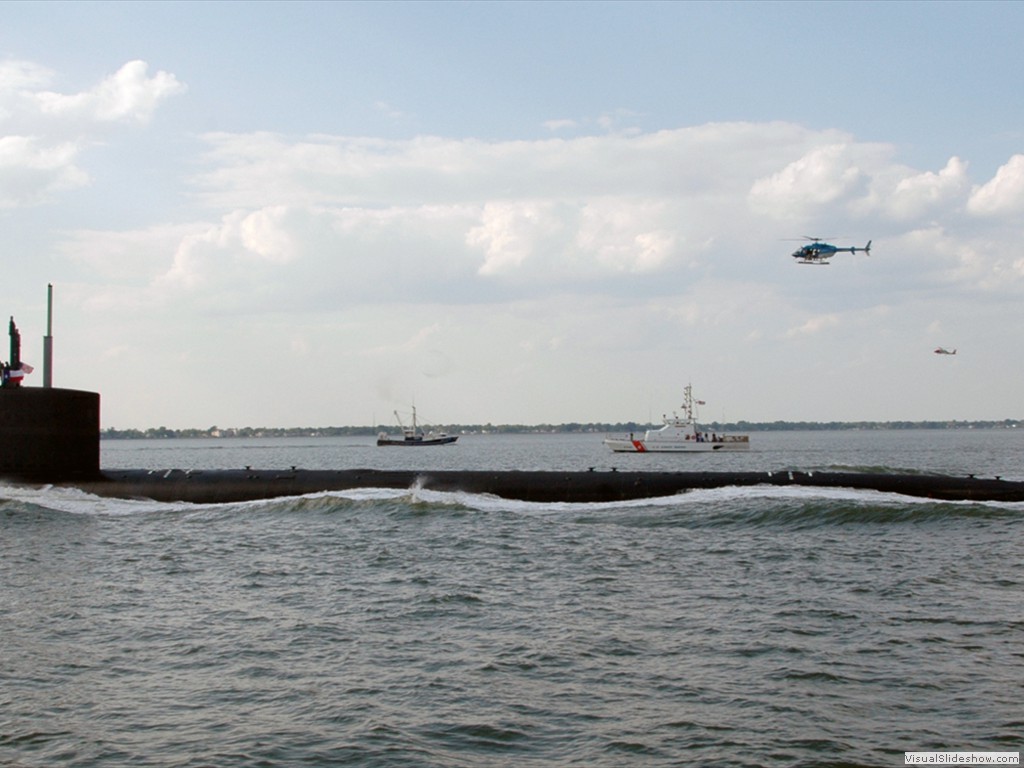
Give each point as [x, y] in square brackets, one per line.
[414, 436]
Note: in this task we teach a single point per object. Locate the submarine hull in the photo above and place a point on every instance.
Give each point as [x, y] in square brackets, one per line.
[228, 486]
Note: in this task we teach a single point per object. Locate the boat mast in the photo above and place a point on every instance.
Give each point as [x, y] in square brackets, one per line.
[688, 405]
[688, 402]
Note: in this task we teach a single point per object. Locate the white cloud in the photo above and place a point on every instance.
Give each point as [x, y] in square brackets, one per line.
[630, 236]
[267, 233]
[32, 171]
[388, 111]
[819, 178]
[552, 212]
[315, 221]
[560, 125]
[127, 95]
[45, 133]
[18, 76]
[814, 325]
[131, 257]
[511, 233]
[201, 255]
[259, 169]
[917, 195]
[1004, 194]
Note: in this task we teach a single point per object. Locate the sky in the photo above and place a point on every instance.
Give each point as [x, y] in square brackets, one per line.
[313, 214]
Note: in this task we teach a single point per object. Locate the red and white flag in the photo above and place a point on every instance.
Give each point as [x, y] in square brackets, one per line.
[20, 372]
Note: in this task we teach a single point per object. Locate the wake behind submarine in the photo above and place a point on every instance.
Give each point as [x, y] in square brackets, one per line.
[51, 436]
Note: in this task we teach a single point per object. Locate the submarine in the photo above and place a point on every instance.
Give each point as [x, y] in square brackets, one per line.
[51, 436]
[235, 485]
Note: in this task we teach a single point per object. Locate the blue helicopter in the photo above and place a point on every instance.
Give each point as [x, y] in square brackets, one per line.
[818, 252]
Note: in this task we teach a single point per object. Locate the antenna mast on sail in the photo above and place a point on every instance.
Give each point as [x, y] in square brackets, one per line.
[48, 340]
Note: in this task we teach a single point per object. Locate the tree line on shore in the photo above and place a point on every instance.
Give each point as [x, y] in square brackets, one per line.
[571, 427]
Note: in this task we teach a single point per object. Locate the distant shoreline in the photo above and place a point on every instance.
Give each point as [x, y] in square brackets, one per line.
[216, 433]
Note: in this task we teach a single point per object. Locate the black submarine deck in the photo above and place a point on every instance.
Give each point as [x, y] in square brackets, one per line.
[236, 485]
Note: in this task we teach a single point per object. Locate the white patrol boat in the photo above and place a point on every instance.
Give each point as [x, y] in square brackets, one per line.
[681, 434]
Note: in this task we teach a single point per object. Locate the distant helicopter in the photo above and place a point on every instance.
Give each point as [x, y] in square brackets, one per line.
[944, 351]
[818, 252]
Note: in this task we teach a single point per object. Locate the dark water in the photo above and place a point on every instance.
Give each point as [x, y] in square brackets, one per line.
[749, 627]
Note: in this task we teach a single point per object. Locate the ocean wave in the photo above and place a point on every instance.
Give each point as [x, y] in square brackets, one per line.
[811, 507]
[790, 506]
[48, 498]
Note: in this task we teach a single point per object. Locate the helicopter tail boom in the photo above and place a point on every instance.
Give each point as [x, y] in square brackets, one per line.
[854, 249]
